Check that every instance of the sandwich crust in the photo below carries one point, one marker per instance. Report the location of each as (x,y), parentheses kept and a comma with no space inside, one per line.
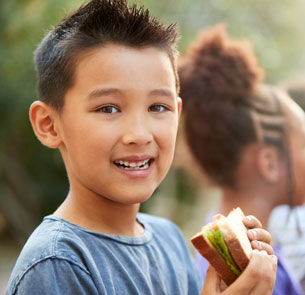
(235,236)
(204,247)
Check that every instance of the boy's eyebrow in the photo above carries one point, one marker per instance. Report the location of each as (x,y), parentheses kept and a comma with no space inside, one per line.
(106,91)
(163,92)
(102,92)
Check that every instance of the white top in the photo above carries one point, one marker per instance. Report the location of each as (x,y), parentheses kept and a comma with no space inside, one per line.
(283,227)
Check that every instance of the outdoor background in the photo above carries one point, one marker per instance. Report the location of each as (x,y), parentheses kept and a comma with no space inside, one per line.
(32,178)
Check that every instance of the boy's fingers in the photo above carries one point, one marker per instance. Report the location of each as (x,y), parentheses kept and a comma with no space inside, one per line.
(258,278)
(264,272)
(251,221)
(212,283)
(260,240)
(259,234)
(262,246)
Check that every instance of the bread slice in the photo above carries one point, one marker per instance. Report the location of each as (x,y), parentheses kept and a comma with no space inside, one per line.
(206,249)
(235,236)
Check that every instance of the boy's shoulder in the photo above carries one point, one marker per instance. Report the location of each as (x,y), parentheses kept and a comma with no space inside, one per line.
(56,238)
(52,239)
(59,251)
(48,240)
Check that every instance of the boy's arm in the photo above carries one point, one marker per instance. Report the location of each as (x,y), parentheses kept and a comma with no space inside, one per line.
(257,279)
(54,277)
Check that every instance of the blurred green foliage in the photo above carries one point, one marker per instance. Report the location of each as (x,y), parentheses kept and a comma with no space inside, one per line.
(33,181)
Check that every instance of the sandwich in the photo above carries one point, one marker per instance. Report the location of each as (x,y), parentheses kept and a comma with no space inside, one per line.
(225,244)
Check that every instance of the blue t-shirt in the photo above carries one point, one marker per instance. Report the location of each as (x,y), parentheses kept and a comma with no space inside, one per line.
(63,258)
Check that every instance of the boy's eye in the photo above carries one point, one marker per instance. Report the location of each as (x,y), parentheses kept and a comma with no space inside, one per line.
(158,108)
(108,109)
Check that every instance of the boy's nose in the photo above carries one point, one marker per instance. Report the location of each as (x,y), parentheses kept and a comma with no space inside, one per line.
(137,131)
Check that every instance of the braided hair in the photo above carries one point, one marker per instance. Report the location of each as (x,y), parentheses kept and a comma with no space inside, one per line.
(226,105)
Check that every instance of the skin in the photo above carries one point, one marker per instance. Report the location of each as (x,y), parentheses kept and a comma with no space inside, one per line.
(257,279)
(123,106)
(297,149)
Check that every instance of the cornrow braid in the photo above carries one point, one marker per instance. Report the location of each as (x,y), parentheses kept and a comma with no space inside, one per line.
(271,128)
(268,118)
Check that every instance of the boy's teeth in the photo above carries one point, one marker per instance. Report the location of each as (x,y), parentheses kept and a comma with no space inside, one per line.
(132,165)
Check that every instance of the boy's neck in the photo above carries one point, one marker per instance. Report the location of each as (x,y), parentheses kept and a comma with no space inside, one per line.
(101,215)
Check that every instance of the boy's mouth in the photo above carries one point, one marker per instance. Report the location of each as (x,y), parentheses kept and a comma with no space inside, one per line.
(133,165)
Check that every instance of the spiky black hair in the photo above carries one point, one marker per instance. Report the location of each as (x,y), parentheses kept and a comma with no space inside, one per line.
(95,24)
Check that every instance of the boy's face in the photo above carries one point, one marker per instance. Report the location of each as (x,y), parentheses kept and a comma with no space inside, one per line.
(119,122)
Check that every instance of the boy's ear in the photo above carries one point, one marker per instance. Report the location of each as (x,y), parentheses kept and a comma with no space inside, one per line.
(179,106)
(269,163)
(43,119)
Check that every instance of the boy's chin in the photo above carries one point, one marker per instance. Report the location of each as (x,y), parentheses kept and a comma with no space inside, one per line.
(133,195)
(134,200)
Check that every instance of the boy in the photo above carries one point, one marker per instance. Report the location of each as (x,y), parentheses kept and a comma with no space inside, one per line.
(108,101)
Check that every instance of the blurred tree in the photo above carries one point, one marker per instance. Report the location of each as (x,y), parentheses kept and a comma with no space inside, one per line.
(275,28)
(32,179)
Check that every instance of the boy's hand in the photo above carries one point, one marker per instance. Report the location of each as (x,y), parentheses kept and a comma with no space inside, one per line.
(260,238)
(257,279)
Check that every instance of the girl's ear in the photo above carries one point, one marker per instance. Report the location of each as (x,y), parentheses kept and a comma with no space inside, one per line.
(179,106)
(44,120)
(269,164)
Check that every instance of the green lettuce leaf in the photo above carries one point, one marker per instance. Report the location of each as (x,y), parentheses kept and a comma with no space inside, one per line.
(216,239)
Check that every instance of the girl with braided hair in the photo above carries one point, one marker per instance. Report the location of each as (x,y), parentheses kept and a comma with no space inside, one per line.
(287,220)
(248,137)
